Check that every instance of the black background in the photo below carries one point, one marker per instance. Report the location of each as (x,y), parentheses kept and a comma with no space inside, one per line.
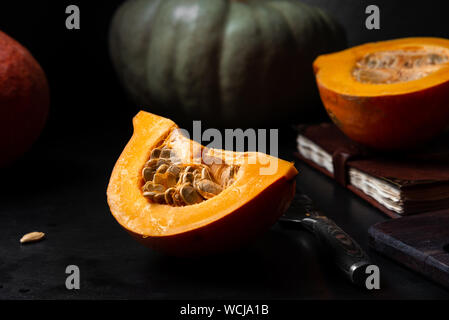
(59,186)
(84,90)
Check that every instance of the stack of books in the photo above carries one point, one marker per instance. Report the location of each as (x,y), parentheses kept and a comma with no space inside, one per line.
(400,183)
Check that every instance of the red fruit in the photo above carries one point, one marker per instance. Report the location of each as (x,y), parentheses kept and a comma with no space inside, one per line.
(24,99)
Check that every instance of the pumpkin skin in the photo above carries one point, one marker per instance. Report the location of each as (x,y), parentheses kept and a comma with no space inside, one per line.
(228,62)
(390,116)
(24,99)
(239,213)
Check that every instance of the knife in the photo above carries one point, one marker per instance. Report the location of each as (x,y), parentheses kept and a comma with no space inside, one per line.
(345,252)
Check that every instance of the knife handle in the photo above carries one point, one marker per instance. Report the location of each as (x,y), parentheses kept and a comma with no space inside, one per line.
(347,254)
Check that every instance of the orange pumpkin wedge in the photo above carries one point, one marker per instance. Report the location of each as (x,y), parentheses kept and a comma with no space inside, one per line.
(387,95)
(248,203)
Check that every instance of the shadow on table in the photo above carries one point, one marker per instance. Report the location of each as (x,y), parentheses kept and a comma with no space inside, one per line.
(277,265)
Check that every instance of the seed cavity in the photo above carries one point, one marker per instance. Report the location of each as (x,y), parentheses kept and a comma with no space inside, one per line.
(386,67)
(168,181)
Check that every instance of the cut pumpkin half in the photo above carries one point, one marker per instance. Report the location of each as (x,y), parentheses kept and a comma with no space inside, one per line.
(387,95)
(174,195)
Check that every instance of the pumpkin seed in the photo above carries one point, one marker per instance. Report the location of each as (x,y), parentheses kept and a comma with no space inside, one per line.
(149,194)
(165,153)
(159,178)
(32,237)
(197,177)
(177,199)
(205,174)
(155,187)
(187,177)
(209,186)
(151,163)
(146,185)
(148,174)
(162,168)
(169,195)
(175,170)
(159,198)
(189,194)
(160,162)
(170,179)
(155,153)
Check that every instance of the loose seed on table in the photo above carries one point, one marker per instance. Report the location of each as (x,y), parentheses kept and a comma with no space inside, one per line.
(32,237)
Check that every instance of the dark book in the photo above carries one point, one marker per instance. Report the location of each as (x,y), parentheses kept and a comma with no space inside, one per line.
(398,183)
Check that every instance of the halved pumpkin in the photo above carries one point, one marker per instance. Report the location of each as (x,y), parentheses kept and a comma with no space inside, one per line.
(250,197)
(387,95)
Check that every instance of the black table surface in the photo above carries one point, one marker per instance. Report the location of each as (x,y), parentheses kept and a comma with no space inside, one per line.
(60,188)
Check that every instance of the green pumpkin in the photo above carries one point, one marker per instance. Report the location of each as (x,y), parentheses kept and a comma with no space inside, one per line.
(231,63)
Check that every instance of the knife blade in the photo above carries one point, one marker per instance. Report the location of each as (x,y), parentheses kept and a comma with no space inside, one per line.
(345,252)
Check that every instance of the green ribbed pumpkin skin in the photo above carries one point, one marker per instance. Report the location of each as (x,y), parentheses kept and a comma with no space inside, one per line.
(230,63)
